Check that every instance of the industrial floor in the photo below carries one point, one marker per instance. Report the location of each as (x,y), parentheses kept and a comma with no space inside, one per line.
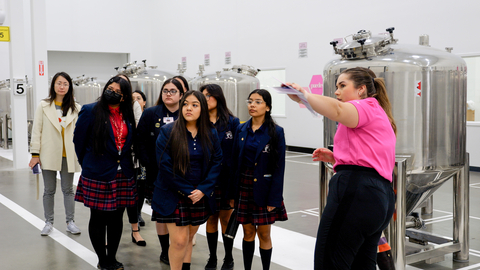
(22,247)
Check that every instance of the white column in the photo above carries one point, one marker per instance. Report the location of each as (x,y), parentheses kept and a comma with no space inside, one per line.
(15,18)
(39,50)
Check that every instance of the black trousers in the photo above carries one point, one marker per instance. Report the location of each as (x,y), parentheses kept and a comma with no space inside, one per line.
(360,204)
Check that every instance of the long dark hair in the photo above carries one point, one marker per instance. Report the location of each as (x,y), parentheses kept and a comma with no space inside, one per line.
(271,125)
(176,83)
(222,110)
(375,88)
(102,113)
(178,137)
(178,77)
(68,102)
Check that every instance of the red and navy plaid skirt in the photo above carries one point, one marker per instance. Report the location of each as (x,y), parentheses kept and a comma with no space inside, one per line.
(222,204)
(249,212)
(107,196)
(186,213)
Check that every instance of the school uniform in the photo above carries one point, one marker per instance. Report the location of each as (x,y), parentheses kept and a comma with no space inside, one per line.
(226,135)
(147,132)
(258,185)
(107,181)
(170,199)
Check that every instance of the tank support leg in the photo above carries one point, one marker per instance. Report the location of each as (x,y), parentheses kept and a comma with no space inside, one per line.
(461,211)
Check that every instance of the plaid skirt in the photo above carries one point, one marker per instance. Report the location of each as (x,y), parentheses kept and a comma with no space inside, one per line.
(107,196)
(222,204)
(249,212)
(186,213)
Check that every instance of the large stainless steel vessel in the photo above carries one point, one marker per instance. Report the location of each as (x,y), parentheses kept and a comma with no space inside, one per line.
(147,79)
(87,89)
(237,82)
(427,89)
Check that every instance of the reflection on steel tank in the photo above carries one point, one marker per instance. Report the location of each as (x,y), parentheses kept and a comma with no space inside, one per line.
(87,89)
(427,89)
(237,83)
(147,79)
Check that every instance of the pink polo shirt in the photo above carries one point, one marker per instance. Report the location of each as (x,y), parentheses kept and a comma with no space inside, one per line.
(371,144)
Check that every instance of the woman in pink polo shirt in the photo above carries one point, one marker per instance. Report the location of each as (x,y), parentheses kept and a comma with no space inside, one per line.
(360,200)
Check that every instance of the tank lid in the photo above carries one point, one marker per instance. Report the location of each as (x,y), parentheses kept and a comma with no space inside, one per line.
(246,70)
(364,45)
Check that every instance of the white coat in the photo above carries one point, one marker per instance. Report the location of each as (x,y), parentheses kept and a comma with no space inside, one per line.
(47,137)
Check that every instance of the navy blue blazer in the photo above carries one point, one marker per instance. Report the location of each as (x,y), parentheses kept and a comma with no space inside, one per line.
(227,139)
(267,184)
(101,167)
(169,186)
(147,132)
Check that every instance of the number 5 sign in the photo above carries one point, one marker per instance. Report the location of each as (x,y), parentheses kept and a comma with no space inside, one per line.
(19,86)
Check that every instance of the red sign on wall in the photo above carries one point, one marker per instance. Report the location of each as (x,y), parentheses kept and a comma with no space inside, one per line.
(41,68)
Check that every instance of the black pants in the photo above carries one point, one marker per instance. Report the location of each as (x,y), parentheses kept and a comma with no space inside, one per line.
(360,204)
(134,211)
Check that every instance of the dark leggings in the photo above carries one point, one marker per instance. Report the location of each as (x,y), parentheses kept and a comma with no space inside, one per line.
(111,224)
(360,204)
(134,211)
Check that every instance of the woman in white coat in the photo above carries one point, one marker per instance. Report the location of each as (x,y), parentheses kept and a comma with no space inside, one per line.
(52,148)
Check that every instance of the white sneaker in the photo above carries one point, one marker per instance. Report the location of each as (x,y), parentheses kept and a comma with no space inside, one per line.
(72,228)
(47,229)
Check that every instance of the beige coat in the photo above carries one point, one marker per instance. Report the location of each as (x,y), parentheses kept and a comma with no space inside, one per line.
(47,138)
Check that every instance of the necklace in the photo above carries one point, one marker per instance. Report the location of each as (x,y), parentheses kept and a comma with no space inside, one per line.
(118,130)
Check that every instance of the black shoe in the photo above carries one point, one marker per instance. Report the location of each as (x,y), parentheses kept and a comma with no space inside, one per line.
(227,265)
(141,222)
(141,243)
(164,259)
(117,265)
(99,267)
(211,264)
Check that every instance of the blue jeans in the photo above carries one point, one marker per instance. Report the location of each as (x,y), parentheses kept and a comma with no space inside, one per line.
(50,183)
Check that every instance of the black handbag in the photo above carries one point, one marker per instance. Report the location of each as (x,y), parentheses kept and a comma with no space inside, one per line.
(232,226)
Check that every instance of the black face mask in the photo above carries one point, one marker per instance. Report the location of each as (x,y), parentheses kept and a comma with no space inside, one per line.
(112,97)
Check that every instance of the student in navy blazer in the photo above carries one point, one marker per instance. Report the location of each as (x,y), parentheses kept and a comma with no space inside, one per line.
(226,125)
(103,139)
(165,111)
(189,157)
(259,159)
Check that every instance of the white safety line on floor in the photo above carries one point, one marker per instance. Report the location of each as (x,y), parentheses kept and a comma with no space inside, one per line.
(72,245)
(304,155)
(308,163)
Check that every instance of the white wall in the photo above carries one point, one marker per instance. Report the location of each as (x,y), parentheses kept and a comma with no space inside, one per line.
(264,34)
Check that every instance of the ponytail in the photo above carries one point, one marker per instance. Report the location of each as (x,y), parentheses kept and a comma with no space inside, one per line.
(375,88)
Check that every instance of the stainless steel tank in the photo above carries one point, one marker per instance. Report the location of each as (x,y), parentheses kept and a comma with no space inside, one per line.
(5,112)
(427,89)
(87,89)
(147,79)
(237,83)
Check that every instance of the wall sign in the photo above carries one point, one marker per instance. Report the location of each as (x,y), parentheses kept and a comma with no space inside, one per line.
(5,33)
(228,58)
(184,62)
(207,60)
(41,68)
(302,50)
(19,86)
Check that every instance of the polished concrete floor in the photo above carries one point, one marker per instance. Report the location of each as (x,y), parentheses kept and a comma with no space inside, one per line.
(22,247)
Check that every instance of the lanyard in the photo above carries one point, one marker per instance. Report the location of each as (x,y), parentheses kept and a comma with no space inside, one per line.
(119,131)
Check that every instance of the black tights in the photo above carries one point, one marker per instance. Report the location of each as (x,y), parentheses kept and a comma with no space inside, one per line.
(111,224)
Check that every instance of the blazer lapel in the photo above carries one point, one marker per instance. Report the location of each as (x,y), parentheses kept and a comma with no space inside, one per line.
(51,114)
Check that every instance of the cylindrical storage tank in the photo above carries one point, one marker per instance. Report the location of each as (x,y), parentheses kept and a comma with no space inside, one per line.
(87,89)
(5,112)
(237,83)
(427,90)
(150,82)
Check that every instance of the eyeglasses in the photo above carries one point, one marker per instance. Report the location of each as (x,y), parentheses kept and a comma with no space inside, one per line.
(171,92)
(208,96)
(257,102)
(118,92)
(59,84)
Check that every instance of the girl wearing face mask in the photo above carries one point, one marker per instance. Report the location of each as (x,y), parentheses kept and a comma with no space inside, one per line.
(52,148)
(103,140)
(259,160)
(165,111)
(189,156)
(226,125)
